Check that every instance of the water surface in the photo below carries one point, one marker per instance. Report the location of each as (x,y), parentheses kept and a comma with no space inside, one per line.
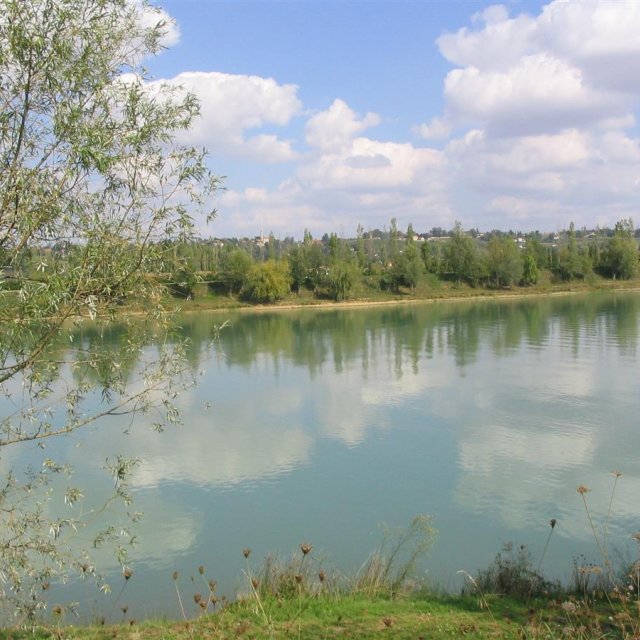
(321,425)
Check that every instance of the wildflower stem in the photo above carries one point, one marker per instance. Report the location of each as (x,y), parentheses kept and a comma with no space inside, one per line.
(184,615)
(256,595)
(601,548)
(483,601)
(544,550)
(606,523)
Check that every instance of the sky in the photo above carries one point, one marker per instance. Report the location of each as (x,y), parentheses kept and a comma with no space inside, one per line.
(327,115)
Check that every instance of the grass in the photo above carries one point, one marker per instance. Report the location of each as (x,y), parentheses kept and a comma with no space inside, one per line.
(360,616)
(433,289)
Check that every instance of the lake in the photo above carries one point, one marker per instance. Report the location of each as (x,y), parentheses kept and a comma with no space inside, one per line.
(321,426)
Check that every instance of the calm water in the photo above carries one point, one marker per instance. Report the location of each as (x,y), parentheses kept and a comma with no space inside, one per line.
(321,426)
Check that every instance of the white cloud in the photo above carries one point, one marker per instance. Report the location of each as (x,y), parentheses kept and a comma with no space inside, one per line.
(435,129)
(575,64)
(270,148)
(241,455)
(232,104)
(500,41)
(369,164)
(344,178)
(542,110)
(600,37)
(542,94)
(523,157)
(334,128)
(347,181)
(538,122)
(545,180)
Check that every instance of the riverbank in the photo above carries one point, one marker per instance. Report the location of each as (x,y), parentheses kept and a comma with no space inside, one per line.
(204,300)
(328,617)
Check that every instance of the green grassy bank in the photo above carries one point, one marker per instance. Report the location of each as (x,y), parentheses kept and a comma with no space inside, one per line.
(413,617)
(366,293)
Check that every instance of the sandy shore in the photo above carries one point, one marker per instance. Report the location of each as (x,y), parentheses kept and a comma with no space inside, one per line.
(352,304)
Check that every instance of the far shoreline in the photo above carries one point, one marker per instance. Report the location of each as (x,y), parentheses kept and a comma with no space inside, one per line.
(324,305)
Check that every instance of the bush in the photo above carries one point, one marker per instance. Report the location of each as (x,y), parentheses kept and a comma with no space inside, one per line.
(267,282)
(512,574)
(341,279)
(183,283)
(234,269)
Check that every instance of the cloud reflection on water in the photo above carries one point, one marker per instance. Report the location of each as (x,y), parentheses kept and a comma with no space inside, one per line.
(524,391)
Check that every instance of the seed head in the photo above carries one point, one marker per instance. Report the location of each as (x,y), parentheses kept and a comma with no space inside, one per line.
(298,578)
(212,585)
(305,547)
(201,570)
(246,552)
(197,598)
(552,523)
(255,582)
(174,575)
(616,473)
(124,609)
(57,610)
(582,489)
(322,576)
(127,573)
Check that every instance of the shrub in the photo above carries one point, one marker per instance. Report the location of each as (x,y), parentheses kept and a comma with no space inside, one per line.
(512,574)
(267,282)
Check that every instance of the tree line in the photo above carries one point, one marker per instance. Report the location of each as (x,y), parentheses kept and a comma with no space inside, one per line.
(268,270)
(334,267)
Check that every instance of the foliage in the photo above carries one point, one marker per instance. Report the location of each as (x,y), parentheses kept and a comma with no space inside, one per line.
(333,617)
(572,262)
(298,268)
(388,570)
(621,253)
(92,183)
(307,263)
(461,254)
(537,250)
(503,261)
(334,247)
(433,257)
(530,271)
(267,282)
(234,268)
(393,239)
(341,279)
(533,260)
(314,261)
(360,249)
(407,268)
(512,574)
(183,282)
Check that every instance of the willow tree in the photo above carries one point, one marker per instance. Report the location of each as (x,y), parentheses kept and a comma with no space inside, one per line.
(92,181)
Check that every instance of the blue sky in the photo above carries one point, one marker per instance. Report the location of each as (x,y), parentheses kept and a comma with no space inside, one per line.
(326,115)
